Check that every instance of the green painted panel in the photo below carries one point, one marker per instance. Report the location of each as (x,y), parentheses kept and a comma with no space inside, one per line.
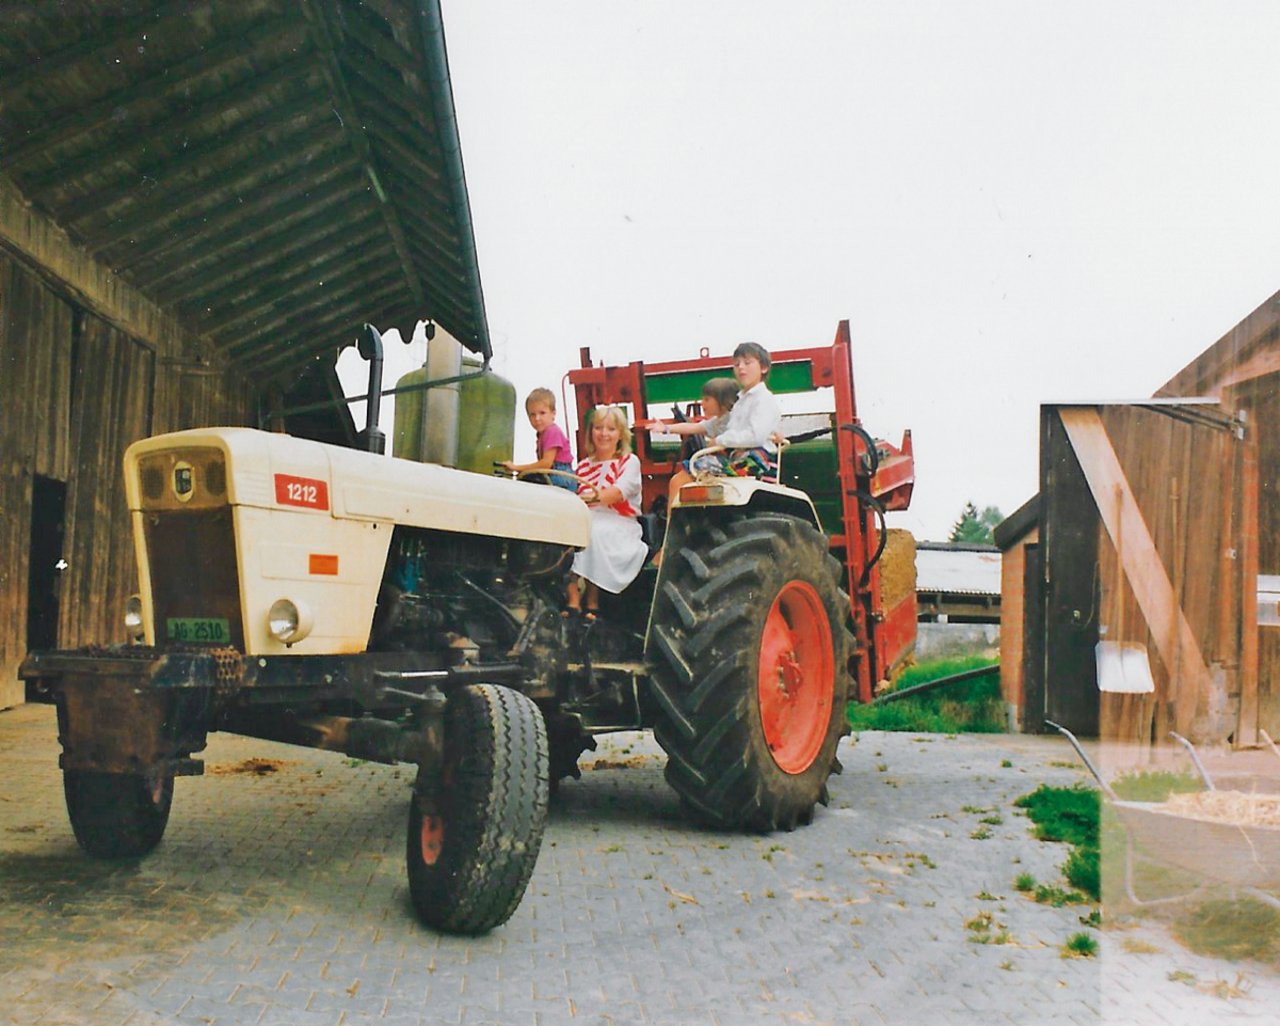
(811,467)
(686,386)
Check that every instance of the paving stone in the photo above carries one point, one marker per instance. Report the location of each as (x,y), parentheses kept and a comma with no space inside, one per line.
(271,896)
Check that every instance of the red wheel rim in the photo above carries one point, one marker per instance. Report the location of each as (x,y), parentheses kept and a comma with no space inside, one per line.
(432,839)
(796,677)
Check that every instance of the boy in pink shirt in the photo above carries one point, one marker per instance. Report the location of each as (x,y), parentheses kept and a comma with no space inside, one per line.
(554,452)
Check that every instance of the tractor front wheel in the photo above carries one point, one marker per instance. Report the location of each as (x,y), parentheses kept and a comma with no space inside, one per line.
(474,836)
(750,654)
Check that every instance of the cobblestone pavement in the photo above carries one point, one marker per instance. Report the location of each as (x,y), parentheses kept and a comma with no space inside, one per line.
(278,897)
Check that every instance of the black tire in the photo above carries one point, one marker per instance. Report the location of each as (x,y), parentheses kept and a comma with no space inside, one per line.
(117,815)
(469,867)
(751,591)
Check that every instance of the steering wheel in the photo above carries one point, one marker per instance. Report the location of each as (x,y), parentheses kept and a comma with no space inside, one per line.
(782,443)
(707,451)
(521,474)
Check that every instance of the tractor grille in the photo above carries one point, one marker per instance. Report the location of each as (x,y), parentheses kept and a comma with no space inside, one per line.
(195,584)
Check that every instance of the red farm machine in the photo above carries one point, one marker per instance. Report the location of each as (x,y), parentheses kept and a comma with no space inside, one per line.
(850,478)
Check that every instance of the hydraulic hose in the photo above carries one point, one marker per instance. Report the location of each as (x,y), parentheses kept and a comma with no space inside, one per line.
(867,499)
(873,454)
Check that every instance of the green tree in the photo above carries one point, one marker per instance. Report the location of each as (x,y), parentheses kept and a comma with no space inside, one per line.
(975,527)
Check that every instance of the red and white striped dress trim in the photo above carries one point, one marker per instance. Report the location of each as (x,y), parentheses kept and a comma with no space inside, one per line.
(604,475)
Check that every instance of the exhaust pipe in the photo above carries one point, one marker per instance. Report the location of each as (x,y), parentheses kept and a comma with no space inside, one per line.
(370,348)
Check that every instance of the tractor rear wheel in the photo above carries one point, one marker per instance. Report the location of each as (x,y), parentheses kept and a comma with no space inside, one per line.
(472,845)
(117,815)
(750,652)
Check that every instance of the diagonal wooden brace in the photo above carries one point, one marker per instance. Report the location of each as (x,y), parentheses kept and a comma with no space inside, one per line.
(1189,677)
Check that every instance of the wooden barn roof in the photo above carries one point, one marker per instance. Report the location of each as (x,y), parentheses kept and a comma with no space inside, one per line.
(1249,350)
(274,172)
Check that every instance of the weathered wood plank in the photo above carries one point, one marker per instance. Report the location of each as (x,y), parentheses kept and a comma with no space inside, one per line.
(1143,567)
(35,346)
(1249,721)
(281,162)
(119,105)
(296,70)
(281,199)
(296,239)
(284,117)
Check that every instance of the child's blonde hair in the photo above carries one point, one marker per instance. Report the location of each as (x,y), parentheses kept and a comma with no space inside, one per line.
(541,395)
(619,417)
(723,390)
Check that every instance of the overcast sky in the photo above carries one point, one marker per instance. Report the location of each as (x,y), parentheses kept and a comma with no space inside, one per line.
(1012,202)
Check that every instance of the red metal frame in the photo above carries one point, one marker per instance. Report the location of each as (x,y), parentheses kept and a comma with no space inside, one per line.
(883,636)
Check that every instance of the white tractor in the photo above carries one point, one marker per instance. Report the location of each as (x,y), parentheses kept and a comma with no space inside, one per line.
(400,611)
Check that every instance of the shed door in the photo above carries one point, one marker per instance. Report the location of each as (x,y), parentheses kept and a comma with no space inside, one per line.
(1148,619)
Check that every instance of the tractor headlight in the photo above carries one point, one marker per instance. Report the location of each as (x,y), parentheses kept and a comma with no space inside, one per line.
(702,493)
(289,621)
(133,617)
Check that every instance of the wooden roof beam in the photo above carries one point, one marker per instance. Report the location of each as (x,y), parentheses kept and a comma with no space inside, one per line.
(370,78)
(240,346)
(284,160)
(143,138)
(283,199)
(279,291)
(382,50)
(316,12)
(288,117)
(311,261)
(402,139)
(229,270)
(122,32)
(346,322)
(391,12)
(429,251)
(335,296)
(116,106)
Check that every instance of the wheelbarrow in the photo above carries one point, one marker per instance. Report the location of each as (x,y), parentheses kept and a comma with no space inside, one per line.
(1244,857)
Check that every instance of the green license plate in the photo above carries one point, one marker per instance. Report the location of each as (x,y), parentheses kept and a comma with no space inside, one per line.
(198,629)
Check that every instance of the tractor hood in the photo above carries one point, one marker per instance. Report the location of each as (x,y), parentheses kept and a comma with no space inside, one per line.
(277,472)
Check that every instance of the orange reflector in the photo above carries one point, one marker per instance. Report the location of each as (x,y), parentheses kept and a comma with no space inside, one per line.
(324,564)
(702,493)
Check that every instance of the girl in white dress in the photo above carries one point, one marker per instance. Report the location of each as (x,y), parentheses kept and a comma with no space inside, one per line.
(616,552)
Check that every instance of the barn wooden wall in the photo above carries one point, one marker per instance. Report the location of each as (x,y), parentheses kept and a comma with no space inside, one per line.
(1013,602)
(1260,399)
(111,398)
(35,439)
(1243,368)
(194,397)
(1188,483)
(74,392)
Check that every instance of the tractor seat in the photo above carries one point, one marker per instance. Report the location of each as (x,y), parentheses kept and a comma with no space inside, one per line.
(653,528)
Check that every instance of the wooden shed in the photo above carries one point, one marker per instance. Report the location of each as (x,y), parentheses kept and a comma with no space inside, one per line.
(1242,371)
(1017,537)
(200,205)
(1139,589)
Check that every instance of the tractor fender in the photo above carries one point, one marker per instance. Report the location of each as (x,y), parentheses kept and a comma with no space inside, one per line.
(693,508)
(737,492)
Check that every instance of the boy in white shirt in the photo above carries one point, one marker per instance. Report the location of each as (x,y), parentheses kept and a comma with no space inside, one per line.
(755,418)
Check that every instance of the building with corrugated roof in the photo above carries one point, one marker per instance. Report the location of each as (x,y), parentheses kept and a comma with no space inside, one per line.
(957,583)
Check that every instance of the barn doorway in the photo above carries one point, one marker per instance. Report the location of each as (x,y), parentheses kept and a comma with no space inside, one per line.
(45,563)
